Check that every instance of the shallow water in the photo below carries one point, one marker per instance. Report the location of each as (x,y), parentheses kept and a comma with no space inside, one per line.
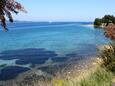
(36,42)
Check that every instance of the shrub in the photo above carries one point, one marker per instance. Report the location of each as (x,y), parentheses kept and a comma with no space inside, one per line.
(108,57)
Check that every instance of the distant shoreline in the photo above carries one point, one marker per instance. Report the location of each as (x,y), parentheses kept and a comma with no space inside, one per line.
(88,25)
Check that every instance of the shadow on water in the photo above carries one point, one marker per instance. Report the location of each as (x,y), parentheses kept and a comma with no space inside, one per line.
(26,56)
(11,72)
(34,56)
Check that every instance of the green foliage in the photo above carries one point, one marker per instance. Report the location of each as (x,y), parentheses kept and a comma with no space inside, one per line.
(99,78)
(97,22)
(108,56)
(106,19)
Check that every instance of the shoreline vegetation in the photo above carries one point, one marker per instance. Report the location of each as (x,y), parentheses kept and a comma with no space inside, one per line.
(108,24)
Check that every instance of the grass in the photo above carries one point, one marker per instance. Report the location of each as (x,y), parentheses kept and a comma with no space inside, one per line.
(101,77)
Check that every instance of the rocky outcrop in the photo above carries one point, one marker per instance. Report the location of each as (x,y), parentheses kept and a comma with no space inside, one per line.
(110,31)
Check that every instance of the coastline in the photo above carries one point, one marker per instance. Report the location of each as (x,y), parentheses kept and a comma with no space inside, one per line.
(77,68)
(82,68)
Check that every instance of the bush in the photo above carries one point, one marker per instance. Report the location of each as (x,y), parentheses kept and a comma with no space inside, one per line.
(108,57)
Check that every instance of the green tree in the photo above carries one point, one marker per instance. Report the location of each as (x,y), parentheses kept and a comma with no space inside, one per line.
(108,19)
(97,22)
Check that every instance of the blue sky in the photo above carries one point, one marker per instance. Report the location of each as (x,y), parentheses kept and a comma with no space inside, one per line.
(65,10)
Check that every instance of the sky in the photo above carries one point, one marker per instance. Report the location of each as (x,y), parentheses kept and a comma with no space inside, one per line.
(65,10)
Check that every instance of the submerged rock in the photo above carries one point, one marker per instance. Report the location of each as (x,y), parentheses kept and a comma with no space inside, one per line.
(11,72)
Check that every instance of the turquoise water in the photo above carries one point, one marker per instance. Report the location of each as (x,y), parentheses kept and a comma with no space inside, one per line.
(61,38)
(28,41)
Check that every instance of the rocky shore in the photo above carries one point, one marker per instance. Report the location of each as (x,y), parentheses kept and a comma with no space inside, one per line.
(110,31)
(37,76)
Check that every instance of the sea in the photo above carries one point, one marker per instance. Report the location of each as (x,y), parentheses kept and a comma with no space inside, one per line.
(28,44)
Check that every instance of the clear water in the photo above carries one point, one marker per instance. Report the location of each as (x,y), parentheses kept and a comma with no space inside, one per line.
(61,38)
(57,38)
